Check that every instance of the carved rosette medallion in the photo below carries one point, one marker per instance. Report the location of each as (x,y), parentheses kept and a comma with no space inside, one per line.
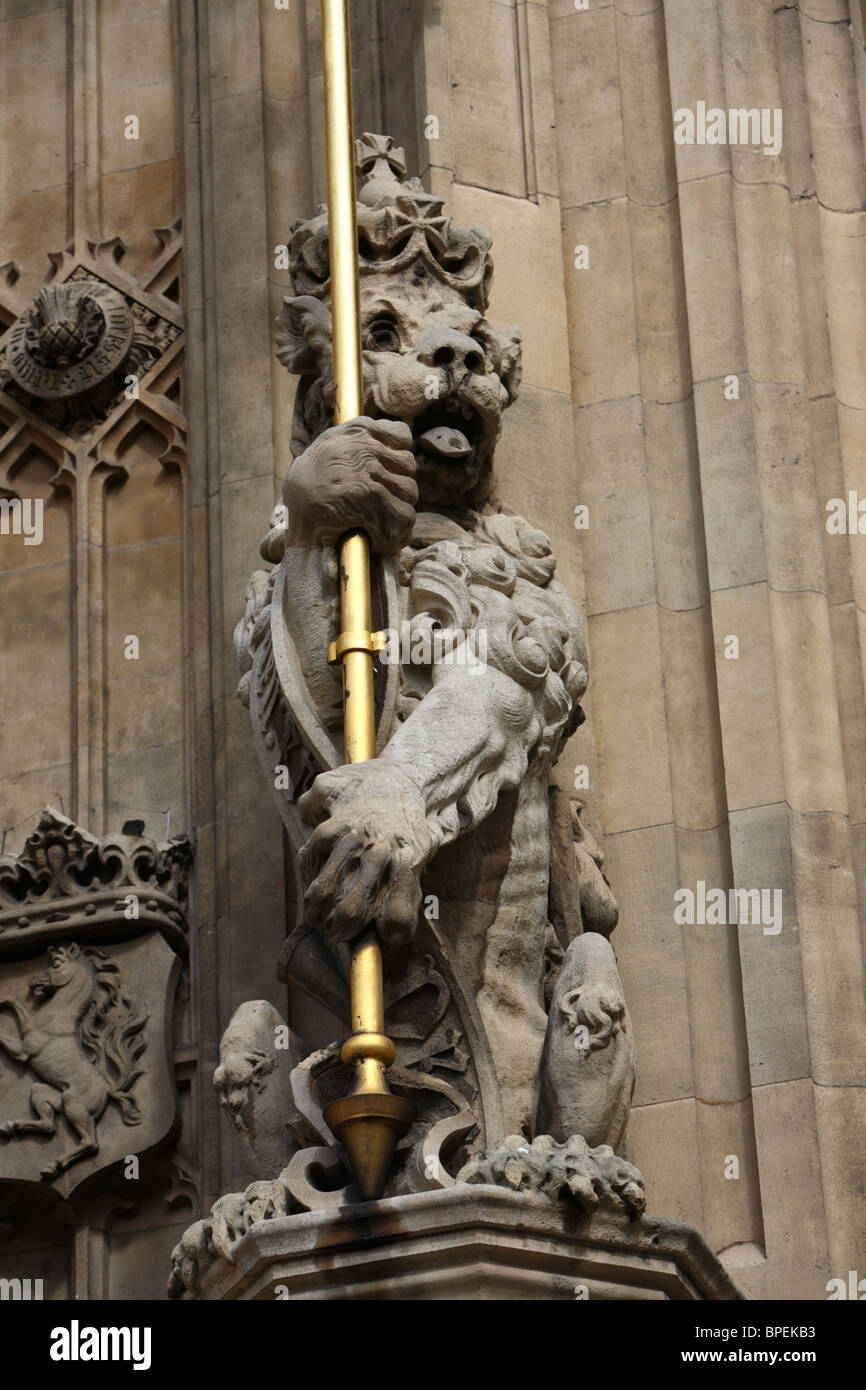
(70,353)
(71,339)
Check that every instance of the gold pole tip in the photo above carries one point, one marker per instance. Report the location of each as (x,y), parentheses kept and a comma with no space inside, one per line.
(370,1127)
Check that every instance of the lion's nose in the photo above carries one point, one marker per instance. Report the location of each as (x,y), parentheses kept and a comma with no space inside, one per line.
(445,347)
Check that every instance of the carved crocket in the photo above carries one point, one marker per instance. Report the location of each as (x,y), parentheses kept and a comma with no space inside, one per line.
(451,840)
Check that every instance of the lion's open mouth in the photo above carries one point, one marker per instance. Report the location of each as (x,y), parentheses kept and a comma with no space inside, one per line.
(448,432)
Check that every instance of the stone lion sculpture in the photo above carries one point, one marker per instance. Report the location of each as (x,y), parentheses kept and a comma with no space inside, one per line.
(502,991)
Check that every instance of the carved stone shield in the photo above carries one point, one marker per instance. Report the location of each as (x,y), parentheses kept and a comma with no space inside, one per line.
(92,940)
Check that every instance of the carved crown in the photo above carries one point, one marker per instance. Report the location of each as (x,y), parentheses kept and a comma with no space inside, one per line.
(398,223)
(65,881)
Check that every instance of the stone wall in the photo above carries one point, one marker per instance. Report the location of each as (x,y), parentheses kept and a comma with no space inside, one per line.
(698,384)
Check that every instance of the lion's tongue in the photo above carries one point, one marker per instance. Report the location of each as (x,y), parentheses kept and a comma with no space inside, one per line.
(444,441)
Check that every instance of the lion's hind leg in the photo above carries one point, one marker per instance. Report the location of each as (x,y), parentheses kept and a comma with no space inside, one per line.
(588,1066)
(46,1101)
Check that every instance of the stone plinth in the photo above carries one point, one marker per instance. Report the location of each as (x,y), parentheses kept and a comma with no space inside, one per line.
(468,1243)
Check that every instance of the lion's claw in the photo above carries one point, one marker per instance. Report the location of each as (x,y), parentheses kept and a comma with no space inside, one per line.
(594,1177)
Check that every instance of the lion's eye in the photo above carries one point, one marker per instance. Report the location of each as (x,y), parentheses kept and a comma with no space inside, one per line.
(382,336)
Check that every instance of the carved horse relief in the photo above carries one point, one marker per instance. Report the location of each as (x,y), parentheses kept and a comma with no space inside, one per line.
(92,938)
(80,1037)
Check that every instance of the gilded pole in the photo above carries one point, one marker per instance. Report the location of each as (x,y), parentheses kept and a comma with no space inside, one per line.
(369,1122)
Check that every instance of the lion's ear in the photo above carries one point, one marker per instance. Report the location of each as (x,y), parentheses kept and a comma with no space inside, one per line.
(511,361)
(72,949)
(304,335)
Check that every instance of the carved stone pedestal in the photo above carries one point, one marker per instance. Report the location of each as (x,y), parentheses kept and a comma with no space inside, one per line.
(468,1243)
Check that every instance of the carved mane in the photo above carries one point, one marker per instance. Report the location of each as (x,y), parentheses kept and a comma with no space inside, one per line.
(111,1025)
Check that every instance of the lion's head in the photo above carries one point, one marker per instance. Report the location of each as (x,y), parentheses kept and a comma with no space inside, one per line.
(431,359)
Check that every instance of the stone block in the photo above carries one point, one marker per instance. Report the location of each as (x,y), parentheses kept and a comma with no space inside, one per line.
(826,907)
(840,1117)
(33,151)
(797,1264)
(588,108)
(767,283)
(843,238)
(235,41)
(633,758)
(612,483)
(834,113)
(663,1142)
(694,54)
(711,268)
(732,1194)
(697,770)
(641,866)
(244,335)
(674,485)
(772,966)
(662,323)
(242,252)
(604,355)
(808,706)
(485,97)
(125,193)
(806,231)
(793,515)
(713,976)
(646,112)
(30,223)
(730,496)
(748,698)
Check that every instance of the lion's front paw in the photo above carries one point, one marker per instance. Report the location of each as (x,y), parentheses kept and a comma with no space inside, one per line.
(599,1177)
(360,473)
(593,1177)
(363,861)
